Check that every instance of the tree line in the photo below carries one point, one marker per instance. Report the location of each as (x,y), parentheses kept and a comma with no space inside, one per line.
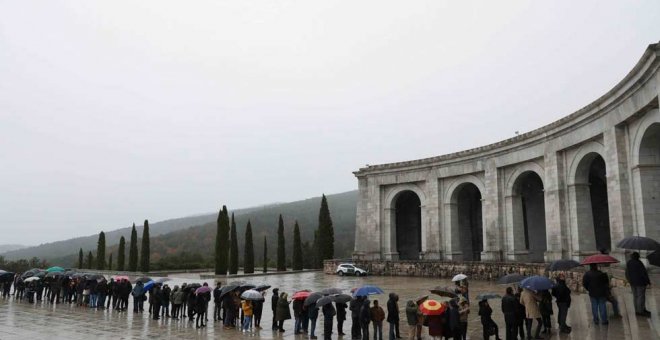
(226,253)
(226,245)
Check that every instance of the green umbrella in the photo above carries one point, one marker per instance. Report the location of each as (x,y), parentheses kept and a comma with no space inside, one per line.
(55,269)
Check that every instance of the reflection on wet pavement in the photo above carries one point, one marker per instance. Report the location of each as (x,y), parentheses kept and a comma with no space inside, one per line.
(19,320)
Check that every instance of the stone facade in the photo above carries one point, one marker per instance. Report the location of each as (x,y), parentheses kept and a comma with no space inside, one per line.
(565,190)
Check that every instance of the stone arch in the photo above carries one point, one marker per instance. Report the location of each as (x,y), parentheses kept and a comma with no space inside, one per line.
(405,229)
(588,202)
(646,175)
(464,218)
(525,203)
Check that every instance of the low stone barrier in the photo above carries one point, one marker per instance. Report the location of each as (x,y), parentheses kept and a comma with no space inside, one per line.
(488,271)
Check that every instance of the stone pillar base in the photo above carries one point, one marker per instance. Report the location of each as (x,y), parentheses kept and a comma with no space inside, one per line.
(430,255)
(393,256)
(491,255)
(454,256)
(582,254)
(366,256)
(553,255)
(517,256)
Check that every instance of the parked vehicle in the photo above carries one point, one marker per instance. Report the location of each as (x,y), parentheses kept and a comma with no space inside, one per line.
(350,269)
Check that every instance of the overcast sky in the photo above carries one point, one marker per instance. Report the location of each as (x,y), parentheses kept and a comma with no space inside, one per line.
(113,112)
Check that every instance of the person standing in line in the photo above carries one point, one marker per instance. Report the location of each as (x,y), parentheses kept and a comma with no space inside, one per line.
(328,314)
(463,312)
(273,303)
(217,302)
(354,306)
(530,300)
(247,314)
(283,311)
(258,307)
(638,278)
(562,295)
(156,296)
(102,289)
(509,306)
(313,313)
(109,293)
(377,317)
(365,318)
(176,297)
(393,316)
(297,315)
(597,284)
(341,317)
(166,293)
(488,324)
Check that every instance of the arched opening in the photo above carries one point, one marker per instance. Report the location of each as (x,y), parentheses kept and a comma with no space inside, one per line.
(529,215)
(408,225)
(649,171)
(592,211)
(470,223)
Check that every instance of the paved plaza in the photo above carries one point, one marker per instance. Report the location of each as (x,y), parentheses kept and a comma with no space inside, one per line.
(19,320)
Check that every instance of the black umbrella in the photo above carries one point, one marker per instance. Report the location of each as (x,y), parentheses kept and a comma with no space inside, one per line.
(78,275)
(228,289)
(562,265)
(261,288)
(41,274)
(6,276)
(54,275)
(342,298)
(325,300)
(510,279)
(638,243)
(444,291)
(488,296)
(654,258)
(331,291)
(312,298)
(29,273)
(246,286)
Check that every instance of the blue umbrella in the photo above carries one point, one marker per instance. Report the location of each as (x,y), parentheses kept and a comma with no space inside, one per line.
(537,283)
(148,285)
(368,290)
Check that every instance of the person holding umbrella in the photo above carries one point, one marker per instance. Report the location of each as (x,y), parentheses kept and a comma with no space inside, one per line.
(328,314)
(487,322)
(246,305)
(297,315)
(341,317)
(638,278)
(562,295)
(393,316)
(529,299)
(313,314)
(354,306)
(258,307)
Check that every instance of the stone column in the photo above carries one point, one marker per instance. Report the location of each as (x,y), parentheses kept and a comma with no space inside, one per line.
(515,234)
(582,223)
(452,238)
(556,239)
(492,222)
(432,249)
(618,186)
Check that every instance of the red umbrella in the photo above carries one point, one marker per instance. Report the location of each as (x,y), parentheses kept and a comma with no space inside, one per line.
(302,295)
(599,259)
(432,307)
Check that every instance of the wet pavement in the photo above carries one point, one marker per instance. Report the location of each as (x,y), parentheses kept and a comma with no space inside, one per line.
(19,320)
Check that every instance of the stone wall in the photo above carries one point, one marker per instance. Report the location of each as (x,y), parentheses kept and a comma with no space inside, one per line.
(487,271)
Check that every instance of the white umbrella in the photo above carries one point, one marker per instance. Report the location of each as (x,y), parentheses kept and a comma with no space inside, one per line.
(30,279)
(459,277)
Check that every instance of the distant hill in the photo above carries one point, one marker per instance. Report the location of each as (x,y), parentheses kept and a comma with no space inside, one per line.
(10,247)
(197,233)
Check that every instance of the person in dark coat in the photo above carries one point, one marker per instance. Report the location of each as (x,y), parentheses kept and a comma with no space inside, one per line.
(365,318)
(125,292)
(638,278)
(328,314)
(313,313)
(138,294)
(597,284)
(156,296)
(545,305)
(341,317)
(283,312)
(509,309)
(297,315)
(109,293)
(354,306)
(393,316)
(273,303)
(217,302)
(258,309)
(165,300)
(192,301)
(453,321)
(102,289)
(488,324)
(202,307)
(228,311)
(520,314)
(562,295)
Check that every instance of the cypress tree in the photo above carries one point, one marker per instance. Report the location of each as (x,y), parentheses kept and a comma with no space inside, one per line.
(133,251)
(316,254)
(110,262)
(100,252)
(121,253)
(90,260)
(233,250)
(281,255)
(297,249)
(248,251)
(326,236)
(80,259)
(265,255)
(222,242)
(144,258)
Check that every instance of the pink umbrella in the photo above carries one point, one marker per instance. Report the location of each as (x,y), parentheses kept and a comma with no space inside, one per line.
(599,259)
(202,290)
(120,278)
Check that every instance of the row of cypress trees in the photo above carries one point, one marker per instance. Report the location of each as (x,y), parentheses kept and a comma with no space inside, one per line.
(226,244)
(100,262)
